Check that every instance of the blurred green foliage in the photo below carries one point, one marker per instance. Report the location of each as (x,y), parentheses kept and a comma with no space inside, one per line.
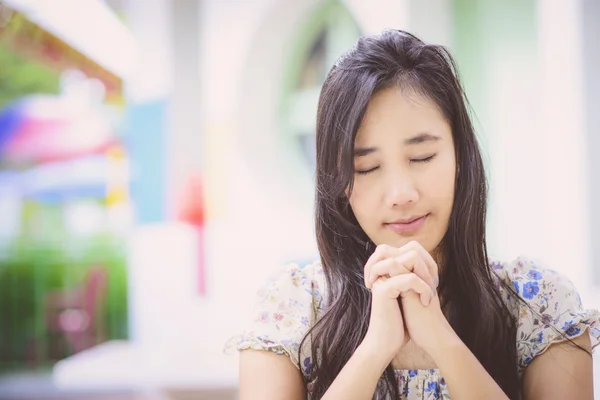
(20,77)
(46,257)
(36,265)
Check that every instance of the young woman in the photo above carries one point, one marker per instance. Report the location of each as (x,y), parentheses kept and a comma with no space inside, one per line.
(404,302)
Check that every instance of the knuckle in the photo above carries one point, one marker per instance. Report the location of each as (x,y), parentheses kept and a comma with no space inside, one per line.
(416,282)
(382,248)
(413,255)
(397,267)
(375,269)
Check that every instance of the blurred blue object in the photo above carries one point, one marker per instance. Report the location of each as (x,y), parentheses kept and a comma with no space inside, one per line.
(11,117)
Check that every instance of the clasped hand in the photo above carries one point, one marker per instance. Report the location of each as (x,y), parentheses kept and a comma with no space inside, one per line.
(411,274)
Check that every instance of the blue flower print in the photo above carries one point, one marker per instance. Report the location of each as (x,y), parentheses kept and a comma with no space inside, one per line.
(307,366)
(540,338)
(570,329)
(406,391)
(516,286)
(527,360)
(530,289)
(535,275)
(433,387)
(265,340)
(412,373)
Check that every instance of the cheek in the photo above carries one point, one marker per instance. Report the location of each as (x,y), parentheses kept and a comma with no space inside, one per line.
(361,201)
(441,184)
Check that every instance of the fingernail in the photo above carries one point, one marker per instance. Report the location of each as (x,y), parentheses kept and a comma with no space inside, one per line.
(436,281)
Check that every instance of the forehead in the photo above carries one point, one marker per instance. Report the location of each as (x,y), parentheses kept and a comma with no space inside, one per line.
(392,113)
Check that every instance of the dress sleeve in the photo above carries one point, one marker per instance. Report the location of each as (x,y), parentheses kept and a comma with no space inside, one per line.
(551,310)
(286,307)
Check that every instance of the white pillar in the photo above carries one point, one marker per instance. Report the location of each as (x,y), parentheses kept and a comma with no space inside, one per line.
(565,179)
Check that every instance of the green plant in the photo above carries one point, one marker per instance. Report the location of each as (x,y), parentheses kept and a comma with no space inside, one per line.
(20,77)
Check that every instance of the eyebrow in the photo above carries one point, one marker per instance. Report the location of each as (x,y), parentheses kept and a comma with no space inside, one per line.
(420,138)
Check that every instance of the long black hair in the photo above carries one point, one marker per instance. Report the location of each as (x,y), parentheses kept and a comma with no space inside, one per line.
(476,310)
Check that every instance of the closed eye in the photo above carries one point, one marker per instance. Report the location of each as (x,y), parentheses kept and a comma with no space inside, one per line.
(423,160)
(413,160)
(368,171)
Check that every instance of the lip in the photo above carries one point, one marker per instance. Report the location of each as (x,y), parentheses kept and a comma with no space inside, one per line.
(407,225)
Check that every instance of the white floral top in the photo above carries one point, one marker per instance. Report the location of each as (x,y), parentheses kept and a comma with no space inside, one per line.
(291,301)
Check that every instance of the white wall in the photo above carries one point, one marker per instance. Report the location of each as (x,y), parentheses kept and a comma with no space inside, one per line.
(537,142)
(565,157)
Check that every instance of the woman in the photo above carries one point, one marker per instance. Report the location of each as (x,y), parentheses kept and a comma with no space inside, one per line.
(404,302)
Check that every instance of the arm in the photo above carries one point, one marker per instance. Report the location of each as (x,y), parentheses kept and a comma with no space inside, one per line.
(358,379)
(263,374)
(268,376)
(563,371)
(465,376)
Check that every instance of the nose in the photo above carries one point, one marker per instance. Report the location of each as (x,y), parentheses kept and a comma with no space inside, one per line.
(401,190)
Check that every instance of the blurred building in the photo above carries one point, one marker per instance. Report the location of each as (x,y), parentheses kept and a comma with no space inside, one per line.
(64,181)
(219,131)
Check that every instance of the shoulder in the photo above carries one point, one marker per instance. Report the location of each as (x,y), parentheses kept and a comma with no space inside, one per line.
(287,305)
(534,282)
(546,305)
(307,277)
(537,286)
(294,285)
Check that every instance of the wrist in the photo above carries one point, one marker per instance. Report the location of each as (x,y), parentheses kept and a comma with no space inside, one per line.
(375,352)
(447,344)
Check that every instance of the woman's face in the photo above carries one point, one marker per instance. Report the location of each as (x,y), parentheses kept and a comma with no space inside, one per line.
(405,169)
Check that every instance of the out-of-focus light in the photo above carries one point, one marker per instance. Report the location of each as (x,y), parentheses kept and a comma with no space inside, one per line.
(85,218)
(89,26)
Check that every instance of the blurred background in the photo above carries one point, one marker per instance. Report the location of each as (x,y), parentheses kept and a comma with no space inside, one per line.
(156,163)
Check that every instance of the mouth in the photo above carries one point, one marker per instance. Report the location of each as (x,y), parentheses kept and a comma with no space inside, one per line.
(407,225)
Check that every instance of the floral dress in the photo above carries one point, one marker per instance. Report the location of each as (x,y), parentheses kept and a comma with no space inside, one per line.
(292,300)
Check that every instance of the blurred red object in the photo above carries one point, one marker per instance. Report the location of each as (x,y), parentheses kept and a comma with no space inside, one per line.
(192,212)
(192,202)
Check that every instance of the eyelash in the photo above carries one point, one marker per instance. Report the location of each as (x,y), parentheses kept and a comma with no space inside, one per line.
(424,160)
(419,160)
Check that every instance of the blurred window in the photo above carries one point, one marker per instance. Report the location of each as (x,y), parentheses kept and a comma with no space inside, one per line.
(329,31)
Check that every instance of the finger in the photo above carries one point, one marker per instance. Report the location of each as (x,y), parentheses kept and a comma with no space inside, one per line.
(382,252)
(401,284)
(414,261)
(411,261)
(427,258)
(391,266)
(387,267)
